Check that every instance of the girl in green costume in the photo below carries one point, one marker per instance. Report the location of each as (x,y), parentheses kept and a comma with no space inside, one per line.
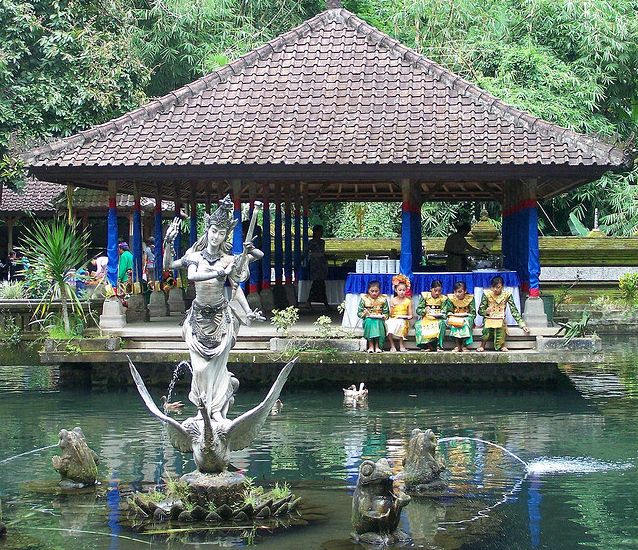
(430,327)
(460,311)
(374,310)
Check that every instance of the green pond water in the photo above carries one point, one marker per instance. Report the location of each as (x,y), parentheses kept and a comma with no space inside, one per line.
(580,439)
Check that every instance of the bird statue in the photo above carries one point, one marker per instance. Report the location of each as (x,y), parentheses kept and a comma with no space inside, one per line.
(276,408)
(353,393)
(211,440)
(175,406)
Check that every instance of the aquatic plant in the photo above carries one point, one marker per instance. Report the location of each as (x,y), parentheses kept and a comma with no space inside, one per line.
(10,333)
(574,329)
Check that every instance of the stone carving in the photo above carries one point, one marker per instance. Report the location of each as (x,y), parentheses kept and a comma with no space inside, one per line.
(421,468)
(376,508)
(78,463)
(211,439)
(210,330)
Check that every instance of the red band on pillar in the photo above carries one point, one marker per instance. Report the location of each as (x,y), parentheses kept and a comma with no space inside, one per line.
(534,292)
(529,203)
(158,208)
(112,202)
(406,206)
(252,288)
(525,287)
(237,205)
(137,204)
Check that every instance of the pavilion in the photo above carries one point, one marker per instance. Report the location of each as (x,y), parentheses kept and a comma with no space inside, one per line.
(332,110)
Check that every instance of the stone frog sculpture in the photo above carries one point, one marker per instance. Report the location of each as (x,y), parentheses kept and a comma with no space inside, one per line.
(78,463)
(421,468)
(376,509)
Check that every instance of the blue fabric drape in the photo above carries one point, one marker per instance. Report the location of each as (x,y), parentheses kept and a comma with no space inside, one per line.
(238,237)
(288,246)
(265,247)
(279,251)
(111,246)
(193,227)
(533,260)
(137,244)
(357,283)
(159,251)
(407,230)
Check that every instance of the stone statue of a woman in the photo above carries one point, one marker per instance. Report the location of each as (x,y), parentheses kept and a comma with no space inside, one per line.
(212,322)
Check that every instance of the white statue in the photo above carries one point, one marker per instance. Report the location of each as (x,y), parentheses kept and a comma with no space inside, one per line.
(212,322)
(210,329)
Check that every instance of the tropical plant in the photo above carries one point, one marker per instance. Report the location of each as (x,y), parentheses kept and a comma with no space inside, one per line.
(10,332)
(628,286)
(55,249)
(574,329)
(284,319)
(12,290)
(324,326)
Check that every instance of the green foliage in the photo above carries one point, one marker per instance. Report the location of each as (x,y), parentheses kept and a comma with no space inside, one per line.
(64,66)
(364,220)
(324,326)
(284,319)
(55,248)
(10,332)
(628,286)
(280,491)
(12,174)
(12,290)
(574,329)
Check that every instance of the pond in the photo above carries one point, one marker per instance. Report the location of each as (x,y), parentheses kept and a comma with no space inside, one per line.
(316,445)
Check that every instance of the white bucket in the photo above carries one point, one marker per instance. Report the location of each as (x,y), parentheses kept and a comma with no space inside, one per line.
(359,268)
(383,266)
(367,266)
(397,266)
(375,266)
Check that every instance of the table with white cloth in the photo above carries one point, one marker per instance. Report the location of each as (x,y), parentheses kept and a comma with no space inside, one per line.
(476,282)
(335,284)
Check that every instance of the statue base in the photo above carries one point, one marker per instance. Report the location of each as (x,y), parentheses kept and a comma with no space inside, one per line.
(433,488)
(112,314)
(176,303)
(157,305)
(224,488)
(137,310)
(382,540)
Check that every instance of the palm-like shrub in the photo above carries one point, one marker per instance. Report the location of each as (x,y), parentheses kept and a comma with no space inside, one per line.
(54,249)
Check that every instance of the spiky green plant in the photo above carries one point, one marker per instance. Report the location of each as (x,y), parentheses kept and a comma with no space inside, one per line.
(54,248)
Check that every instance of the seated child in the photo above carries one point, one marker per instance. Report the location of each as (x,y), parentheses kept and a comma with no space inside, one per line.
(460,311)
(493,307)
(398,324)
(430,328)
(374,310)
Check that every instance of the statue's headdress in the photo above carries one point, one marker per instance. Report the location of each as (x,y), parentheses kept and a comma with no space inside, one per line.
(223,216)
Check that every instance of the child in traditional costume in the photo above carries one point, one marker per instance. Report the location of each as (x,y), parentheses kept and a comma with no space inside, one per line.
(493,307)
(398,324)
(374,310)
(430,328)
(460,311)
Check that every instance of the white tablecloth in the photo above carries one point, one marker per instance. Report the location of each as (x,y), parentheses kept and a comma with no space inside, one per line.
(334,291)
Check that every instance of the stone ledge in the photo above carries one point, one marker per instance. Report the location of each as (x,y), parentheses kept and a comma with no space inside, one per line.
(593,344)
(319,344)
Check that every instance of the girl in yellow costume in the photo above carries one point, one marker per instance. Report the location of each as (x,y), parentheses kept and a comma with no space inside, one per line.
(430,328)
(460,311)
(493,306)
(374,310)
(398,324)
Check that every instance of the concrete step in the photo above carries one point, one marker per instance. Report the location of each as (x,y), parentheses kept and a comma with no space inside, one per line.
(176,345)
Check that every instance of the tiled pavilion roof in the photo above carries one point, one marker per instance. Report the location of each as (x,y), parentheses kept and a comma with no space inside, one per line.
(341,106)
(37,197)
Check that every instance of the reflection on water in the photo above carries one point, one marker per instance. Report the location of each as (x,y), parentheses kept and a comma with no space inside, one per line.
(317,444)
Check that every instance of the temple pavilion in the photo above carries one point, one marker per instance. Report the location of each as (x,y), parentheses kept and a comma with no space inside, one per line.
(333,110)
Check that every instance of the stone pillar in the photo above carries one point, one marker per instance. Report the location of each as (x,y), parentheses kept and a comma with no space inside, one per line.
(266,292)
(10,224)
(112,235)
(520,245)
(304,217)
(113,315)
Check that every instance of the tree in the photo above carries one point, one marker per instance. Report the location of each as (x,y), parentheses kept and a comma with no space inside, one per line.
(65,65)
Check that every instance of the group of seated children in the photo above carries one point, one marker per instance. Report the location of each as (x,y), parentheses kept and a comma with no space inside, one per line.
(436,313)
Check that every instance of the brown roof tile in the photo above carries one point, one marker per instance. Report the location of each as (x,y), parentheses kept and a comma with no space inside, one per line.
(333,90)
(37,196)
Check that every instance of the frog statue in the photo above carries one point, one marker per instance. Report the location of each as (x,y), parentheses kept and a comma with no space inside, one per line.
(421,468)
(376,509)
(78,463)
